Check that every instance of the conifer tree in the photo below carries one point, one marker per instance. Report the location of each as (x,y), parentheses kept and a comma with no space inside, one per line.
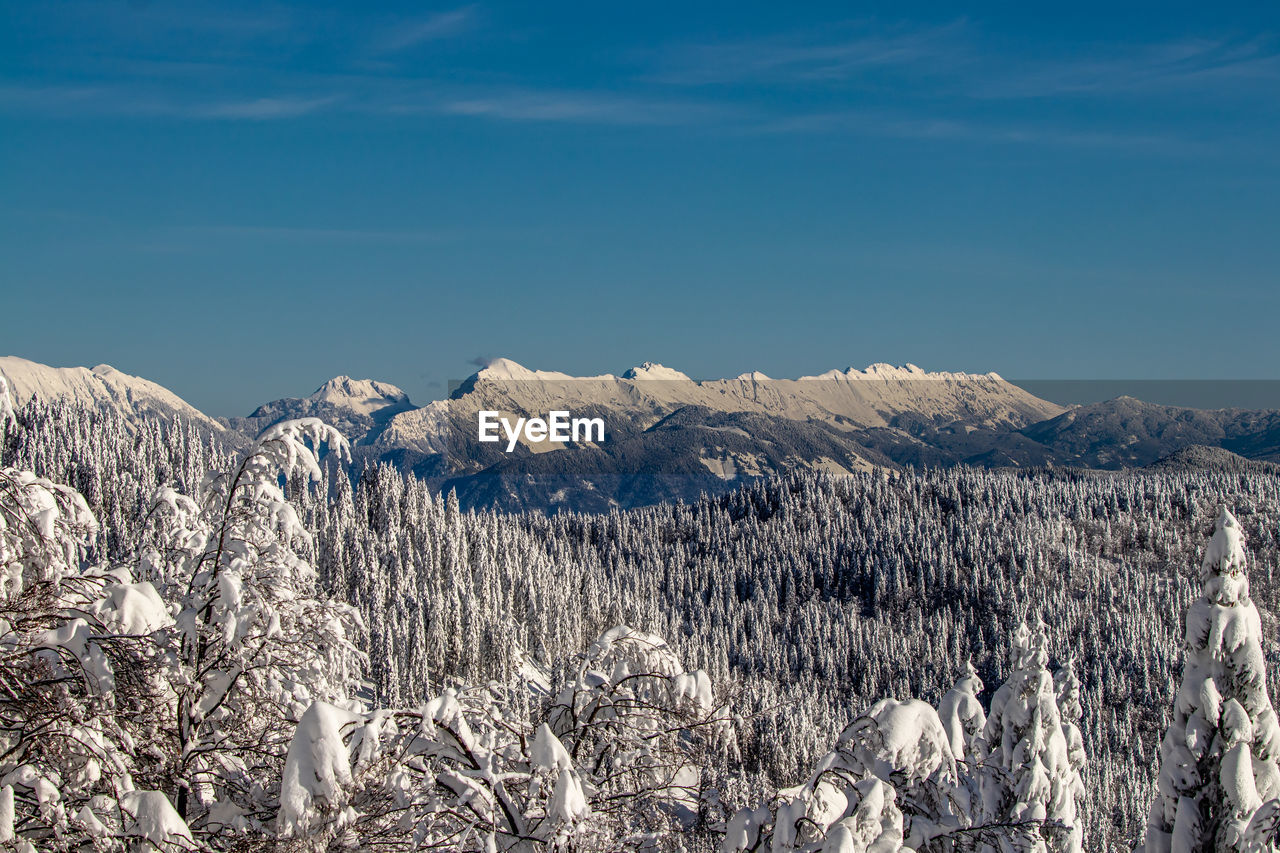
(1218,756)
(1028,783)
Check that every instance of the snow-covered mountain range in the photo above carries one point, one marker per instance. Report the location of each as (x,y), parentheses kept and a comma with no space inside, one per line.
(102,387)
(645,394)
(672,437)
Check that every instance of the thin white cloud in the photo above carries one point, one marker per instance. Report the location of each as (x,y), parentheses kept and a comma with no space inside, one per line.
(264,109)
(811,57)
(925,128)
(583,107)
(71,101)
(313,234)
(1172,67)
(954,60)
(391,98)
(441,25)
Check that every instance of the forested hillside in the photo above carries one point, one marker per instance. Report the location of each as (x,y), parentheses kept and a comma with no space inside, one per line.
(805,600)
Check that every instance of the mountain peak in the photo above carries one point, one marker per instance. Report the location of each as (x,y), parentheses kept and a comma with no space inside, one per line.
(653,370)
(505,369)
(347,391)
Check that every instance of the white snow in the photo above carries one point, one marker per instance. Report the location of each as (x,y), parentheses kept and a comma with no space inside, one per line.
(1221,715)
(6,814)
(961,713)
(693,687)
(506,370)
(155,819)
(6,405)
(547,752)
(316,769)
(568,804)
(133,608)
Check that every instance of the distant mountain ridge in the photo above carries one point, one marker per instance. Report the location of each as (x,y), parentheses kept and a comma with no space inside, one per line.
(843,399)
(671,437)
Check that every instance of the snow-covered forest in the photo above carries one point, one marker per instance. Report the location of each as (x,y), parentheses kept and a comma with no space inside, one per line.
(216,650)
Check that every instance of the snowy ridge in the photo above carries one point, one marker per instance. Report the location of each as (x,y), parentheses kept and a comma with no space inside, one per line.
(888,372)
(506,370)
(849,399)
(103,387)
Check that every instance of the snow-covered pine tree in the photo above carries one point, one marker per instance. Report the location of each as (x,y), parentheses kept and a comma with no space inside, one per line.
(889,785)
(1028,782)
(1218,756)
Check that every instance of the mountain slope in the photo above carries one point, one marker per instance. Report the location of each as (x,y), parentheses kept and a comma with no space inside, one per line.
(103,387)
(1129,433)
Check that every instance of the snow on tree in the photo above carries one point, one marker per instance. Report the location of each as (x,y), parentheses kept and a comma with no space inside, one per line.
(889,785)
(799,594)
(76,665)
(626,712)
(619,754)
(1218,759)
(6,814)
(316,770)
(256,644)
(7,418)
(962,715)
(1066,685)
(1028,781)
(152,817)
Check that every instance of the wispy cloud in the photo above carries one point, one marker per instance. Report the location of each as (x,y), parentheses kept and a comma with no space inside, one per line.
(264,109)
(412,32)
(955,60)
(1204,65)
(374,96)
(925,128)
(70,101)
(810,57)
(946,82)
(586,108)
(392,99)
(320,234)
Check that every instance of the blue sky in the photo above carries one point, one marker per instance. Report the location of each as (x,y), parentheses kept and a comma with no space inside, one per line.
(241,200)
